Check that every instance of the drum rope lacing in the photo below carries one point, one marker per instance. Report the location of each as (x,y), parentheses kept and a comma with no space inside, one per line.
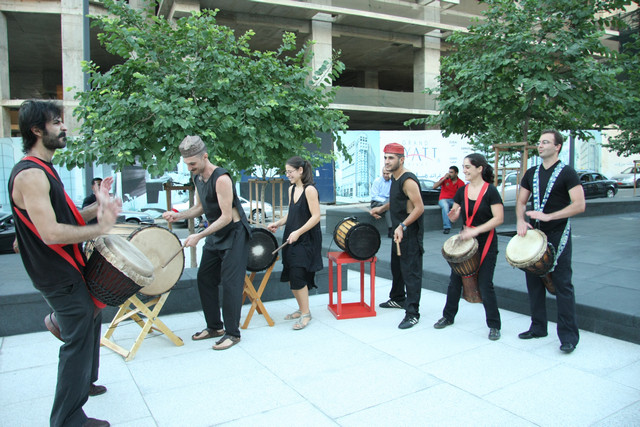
(537,206)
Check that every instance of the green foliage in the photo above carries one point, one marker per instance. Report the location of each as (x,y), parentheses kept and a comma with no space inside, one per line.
(194,77)
(530,65)
(627,142)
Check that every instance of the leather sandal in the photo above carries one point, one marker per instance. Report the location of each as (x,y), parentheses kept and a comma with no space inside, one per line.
(226,342)
(207,333)
(299,325)
(292,316)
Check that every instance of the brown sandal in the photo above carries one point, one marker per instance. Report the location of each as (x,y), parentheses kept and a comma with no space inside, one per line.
(207,333)
(226,342)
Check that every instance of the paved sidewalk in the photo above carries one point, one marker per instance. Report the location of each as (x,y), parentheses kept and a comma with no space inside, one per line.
(357,372)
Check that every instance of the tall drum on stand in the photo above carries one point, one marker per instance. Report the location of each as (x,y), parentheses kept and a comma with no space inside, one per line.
(360,240)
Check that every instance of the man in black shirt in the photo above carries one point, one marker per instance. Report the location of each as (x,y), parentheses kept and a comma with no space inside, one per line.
(405,204)
(557,196)
(91,198)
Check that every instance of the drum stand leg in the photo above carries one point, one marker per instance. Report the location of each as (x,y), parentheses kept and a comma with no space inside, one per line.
(135,309)
(255,297)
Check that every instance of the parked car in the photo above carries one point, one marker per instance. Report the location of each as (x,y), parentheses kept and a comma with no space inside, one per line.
(508,188)
(135,217)
(597,185)
(7,232)
(253,211)
(625,178)
(430,196)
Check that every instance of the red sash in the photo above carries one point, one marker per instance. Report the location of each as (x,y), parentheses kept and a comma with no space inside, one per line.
(469,220)
(58,248)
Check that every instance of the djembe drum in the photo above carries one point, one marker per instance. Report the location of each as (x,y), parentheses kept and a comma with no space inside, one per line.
(116,270)
(464,258)
(533,254)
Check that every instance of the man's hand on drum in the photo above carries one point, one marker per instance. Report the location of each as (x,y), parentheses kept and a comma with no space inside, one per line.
(522,227)
(192,240)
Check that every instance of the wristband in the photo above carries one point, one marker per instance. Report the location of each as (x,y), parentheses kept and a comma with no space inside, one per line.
(404,227)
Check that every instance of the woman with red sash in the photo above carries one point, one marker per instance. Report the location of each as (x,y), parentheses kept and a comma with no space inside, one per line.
(480,206)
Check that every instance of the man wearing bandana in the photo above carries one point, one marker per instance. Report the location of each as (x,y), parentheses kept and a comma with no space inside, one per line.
(406,207)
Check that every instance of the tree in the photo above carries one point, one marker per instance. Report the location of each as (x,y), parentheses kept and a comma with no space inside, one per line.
(627,142)
(529,65)
(191,77)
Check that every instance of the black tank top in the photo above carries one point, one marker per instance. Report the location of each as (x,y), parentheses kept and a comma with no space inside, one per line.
(211,206)
(398,207)
(47,269)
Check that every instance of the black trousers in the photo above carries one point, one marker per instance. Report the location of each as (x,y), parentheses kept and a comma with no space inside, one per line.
(487,292)
(79,356)
(407,274)
(565,297)
(226,268)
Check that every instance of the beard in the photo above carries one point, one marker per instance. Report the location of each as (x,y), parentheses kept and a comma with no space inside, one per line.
(54,142)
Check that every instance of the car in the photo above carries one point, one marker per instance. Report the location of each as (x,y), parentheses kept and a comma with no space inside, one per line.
(135,217)
(626,177)
(430,196)
(7,232)
(200,221)
(508,188)
(253,210)
(597,185)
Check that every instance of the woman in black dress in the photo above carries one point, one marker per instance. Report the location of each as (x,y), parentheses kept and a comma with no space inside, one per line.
(301,257)
(479,222)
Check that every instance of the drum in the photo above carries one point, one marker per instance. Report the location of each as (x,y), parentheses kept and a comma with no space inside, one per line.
(261,246)
(116,270)
(360,240)
(532,253)
(120,229)
(464,258)
(159,244)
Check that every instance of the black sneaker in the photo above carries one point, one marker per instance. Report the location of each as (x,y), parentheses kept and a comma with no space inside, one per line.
(442,323)
(391,304)
(494,334)
(446,231)
(408,322)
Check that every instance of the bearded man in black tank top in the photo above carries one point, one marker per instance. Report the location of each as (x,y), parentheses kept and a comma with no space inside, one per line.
(50,231)
(406,207)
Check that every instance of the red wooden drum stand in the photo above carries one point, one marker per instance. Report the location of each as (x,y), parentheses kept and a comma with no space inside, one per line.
(351,310)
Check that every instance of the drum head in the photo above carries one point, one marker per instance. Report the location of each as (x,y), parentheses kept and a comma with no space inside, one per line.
(523,250)
(363,241)
(125,257)
(454,247)
(159,244)
(261,246)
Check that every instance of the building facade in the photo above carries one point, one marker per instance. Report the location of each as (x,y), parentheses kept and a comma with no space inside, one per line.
(391,48)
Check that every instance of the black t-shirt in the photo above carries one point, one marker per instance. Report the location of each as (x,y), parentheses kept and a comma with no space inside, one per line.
(559,196)
(484,214)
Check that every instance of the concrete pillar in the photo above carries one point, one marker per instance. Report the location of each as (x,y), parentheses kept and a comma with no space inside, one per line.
(371,79)
(426,64)
(321,34)
(5,118)
(426,60)
(71,22)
